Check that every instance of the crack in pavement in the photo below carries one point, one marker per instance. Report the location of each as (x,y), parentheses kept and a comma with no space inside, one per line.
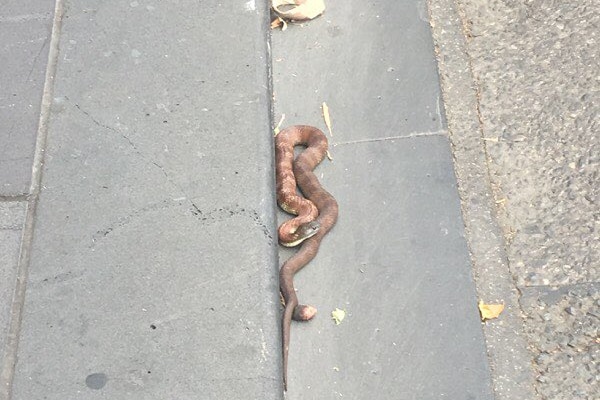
(206,217)
(412,135)
(138,152)
(214,215)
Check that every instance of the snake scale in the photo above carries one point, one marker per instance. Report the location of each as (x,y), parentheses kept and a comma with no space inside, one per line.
(316,215)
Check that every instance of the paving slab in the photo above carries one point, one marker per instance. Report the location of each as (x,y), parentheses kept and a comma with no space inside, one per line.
(397,260)
(12,10)
(398,264)
(25,30)
(373,61)
(153,266)
(12,217)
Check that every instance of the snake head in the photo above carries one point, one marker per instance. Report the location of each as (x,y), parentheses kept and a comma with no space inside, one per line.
(307,230)
(303,232)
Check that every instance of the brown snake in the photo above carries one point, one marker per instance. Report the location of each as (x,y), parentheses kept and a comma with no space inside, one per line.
(305,228)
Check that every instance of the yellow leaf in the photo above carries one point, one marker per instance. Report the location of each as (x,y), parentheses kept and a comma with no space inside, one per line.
(278,127)
(490,311)
(279,22)
(338,315)
(276,22)
(327,118)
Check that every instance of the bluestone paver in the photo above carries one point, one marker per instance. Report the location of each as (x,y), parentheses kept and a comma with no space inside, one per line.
(397,260)
(25,31)
(153,261)
(153,266)
(373,61)
(398,264)
(12,217)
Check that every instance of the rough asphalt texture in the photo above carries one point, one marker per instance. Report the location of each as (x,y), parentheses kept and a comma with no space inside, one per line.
(534,68)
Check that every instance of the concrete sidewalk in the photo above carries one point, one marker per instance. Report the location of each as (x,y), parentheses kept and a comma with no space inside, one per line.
(153,269)
(142,252)
(397,260)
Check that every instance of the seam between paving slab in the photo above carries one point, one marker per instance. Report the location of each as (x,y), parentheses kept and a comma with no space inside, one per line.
(12,339)
(15,198)
(554,287)
(411,135)
(274,210)
(26,17)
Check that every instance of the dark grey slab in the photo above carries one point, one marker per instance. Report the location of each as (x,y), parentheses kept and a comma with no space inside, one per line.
(12,217)
(398,264)
(24,32)
(153,271)
(371,62)
(397,261)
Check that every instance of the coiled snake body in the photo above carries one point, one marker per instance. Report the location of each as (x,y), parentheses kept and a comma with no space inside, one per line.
(305,228)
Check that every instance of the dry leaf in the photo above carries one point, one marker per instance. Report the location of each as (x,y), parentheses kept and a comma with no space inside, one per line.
(279,22)
(276,22)
(327,118)
(281,299)
(302,10)
(277,128)
(490,311)
(338,315)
